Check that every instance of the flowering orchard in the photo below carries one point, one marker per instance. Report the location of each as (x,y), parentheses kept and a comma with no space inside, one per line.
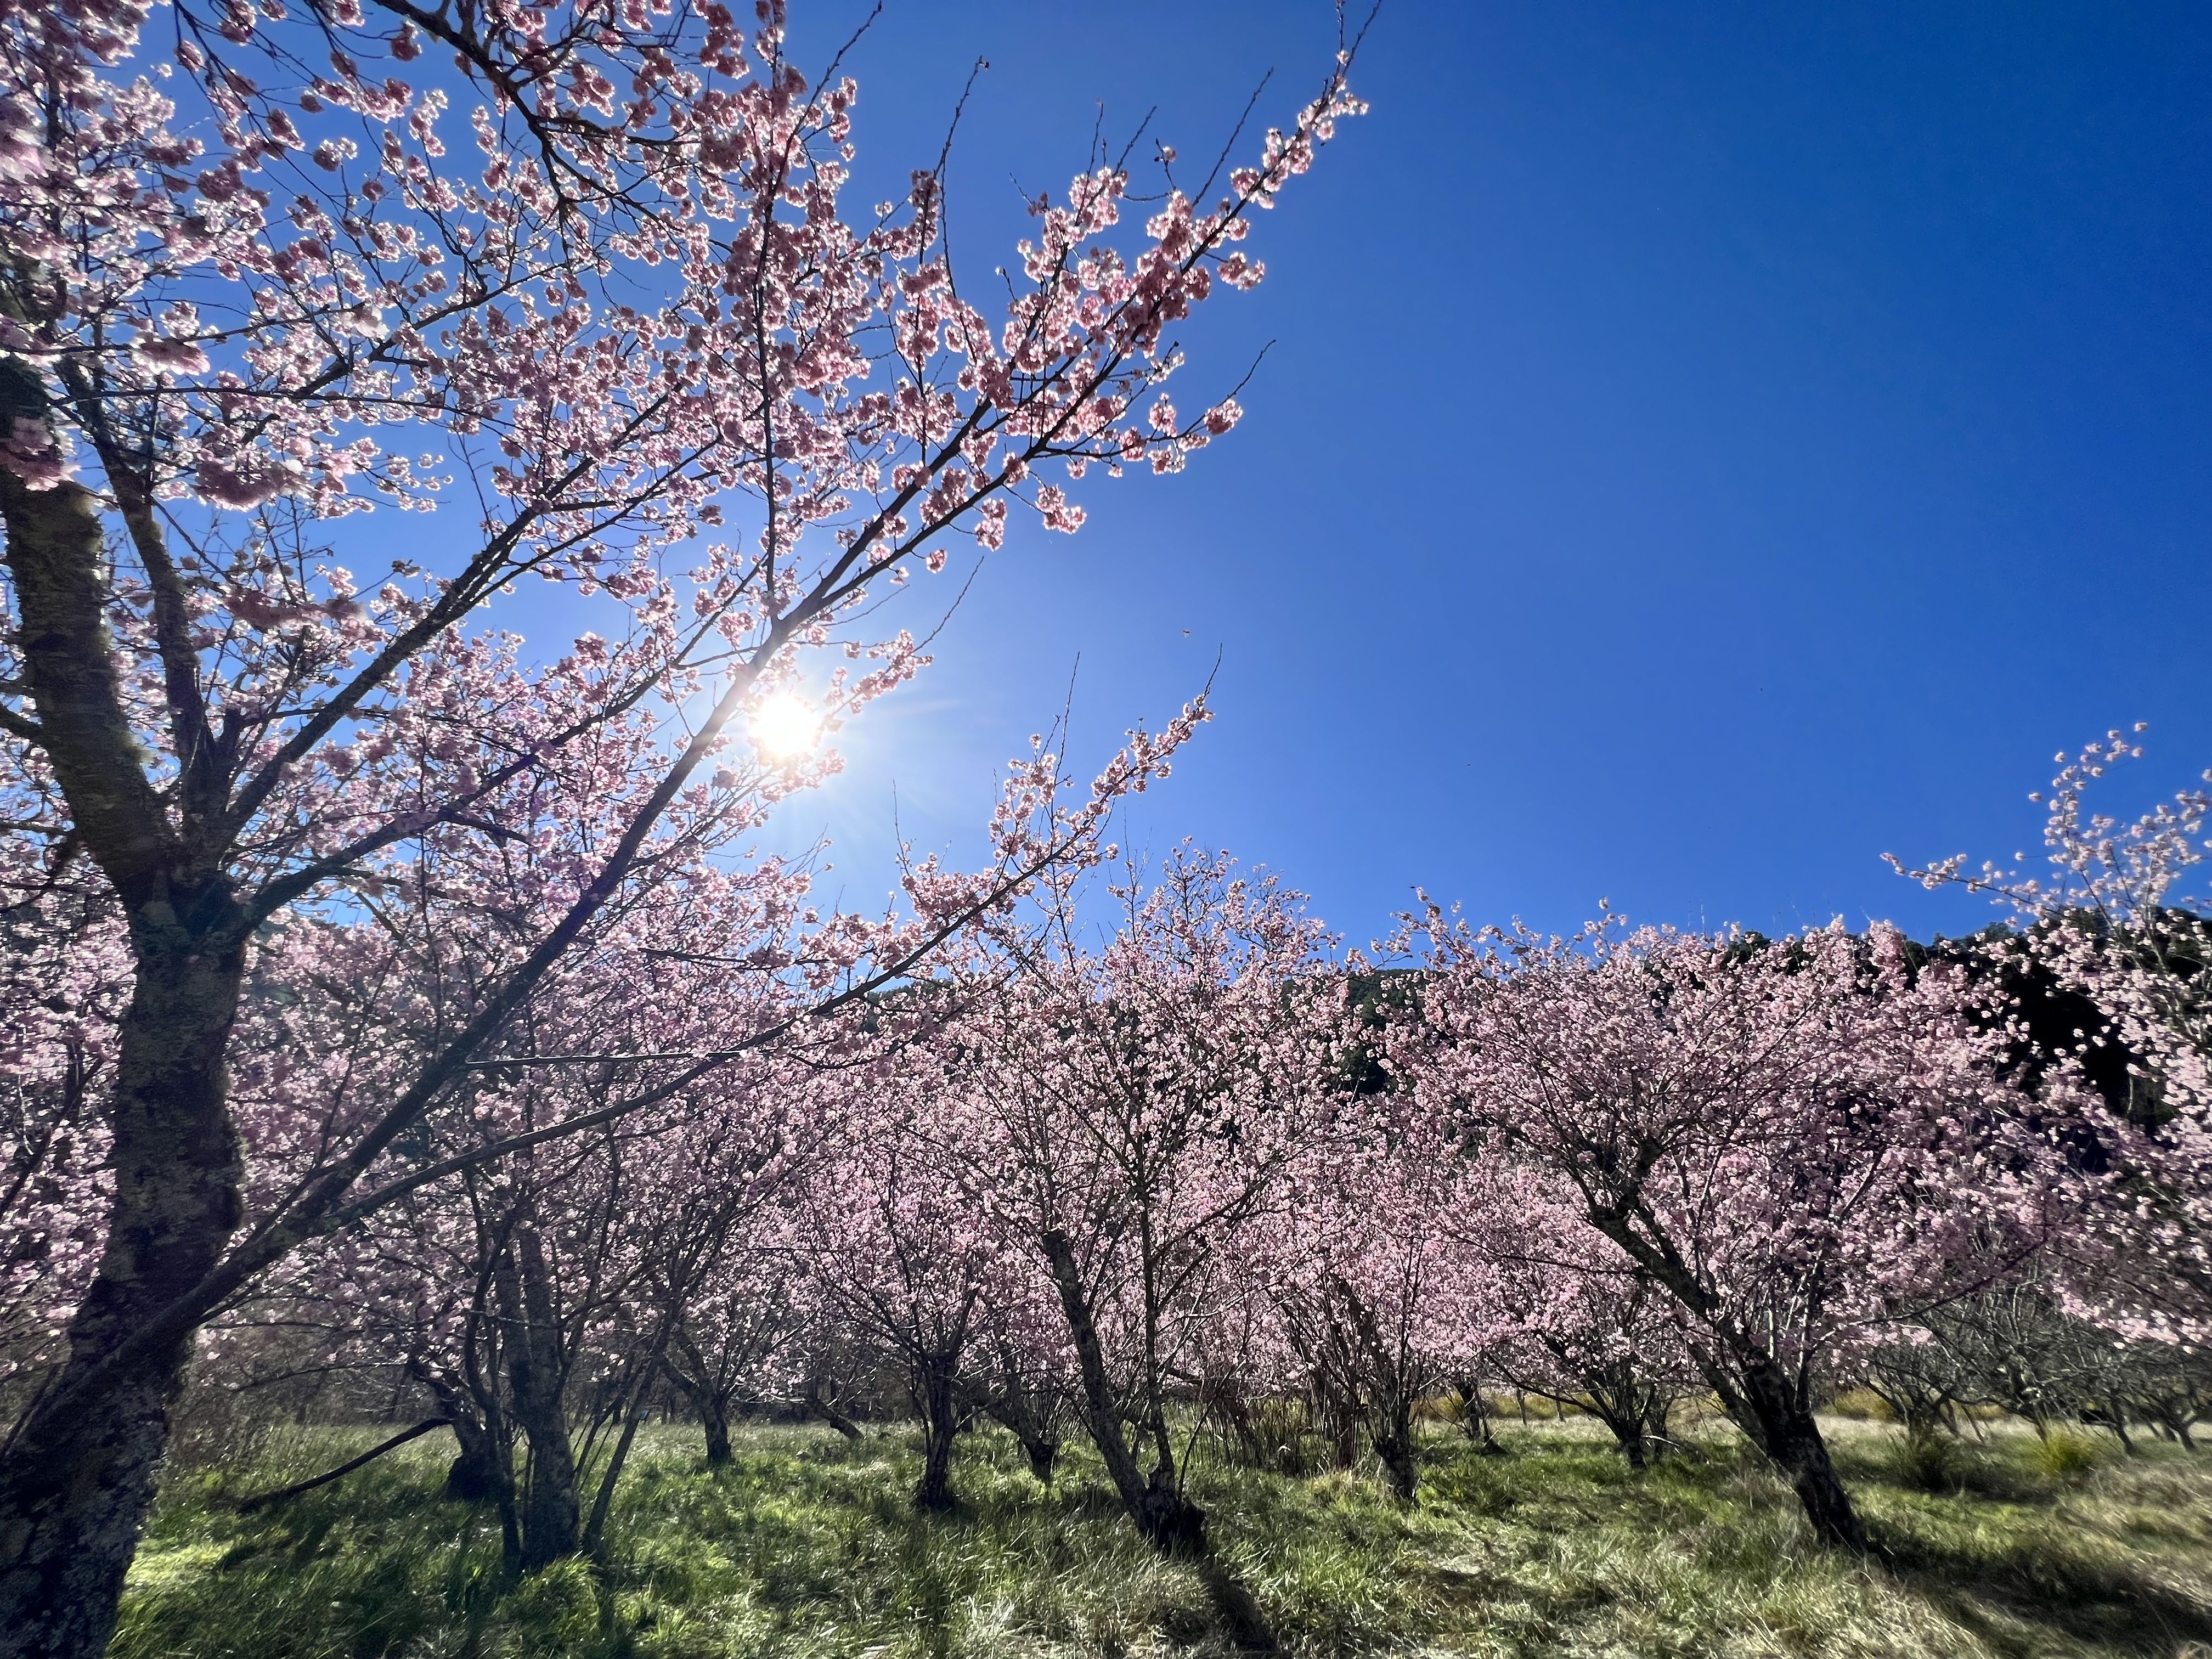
(401,1021)
(297,856)
(1169,1172)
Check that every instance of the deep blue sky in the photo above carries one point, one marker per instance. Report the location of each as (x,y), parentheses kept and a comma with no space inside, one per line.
(1703,447)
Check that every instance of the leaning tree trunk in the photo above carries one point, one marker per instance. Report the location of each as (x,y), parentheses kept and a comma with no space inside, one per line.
(1629,1408)
(1769,1409)
(1627,1426)
(1766,1402)
(684,1366)
(1014,1411)
(816,1402)
(1043,1452)
(1167,1519)
(76,1484)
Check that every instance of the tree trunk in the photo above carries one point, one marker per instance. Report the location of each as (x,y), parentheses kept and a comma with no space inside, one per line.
(1780,1424)
(74,1486)
(1042,1455)
(682,1363)
(1628,1431)
(1166,1518)
(552,1512)
(820,1405)
(1392,1436)
(2109,1418)
(1632,1409)
(595,1529)
(75,1481)
(1014,1409)
(475,1476)
(940,1422)
(1474,1416)
(714,1418)
(1336,1418)
(484,1471)
(1766,1402)
(1225,1400)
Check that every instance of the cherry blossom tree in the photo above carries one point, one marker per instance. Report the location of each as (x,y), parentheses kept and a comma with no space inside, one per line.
(1799,1141)
(1579,1325)
(254,289)
(1126,1112)
(1372,1269)
(1026,1377)
(890,1235)
(733,1347)
(537,1291)
(2116,927)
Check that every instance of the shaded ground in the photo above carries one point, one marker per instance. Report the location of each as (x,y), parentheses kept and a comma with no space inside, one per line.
(807,1547)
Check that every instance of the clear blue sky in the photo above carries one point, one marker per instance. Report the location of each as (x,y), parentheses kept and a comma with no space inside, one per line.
(1703,447)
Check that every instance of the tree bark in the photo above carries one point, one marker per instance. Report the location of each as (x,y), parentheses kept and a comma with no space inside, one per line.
(940,1422)
(716,1420)
(1394,1446)
(1166,1518)
(1780,1423)
(74,1491)
(595,1529)
(1224,1399)
(75,1487)
(552,1512)
(474,1476)
(484,1471)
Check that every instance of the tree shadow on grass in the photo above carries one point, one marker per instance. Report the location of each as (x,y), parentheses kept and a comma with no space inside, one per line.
(2079,1599)
(1237,1619)
(1236,1609)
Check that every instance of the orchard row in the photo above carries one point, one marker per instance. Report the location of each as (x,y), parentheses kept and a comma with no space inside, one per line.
(1148,1145)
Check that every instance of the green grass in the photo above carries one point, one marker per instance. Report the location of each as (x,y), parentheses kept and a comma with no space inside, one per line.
(808,1547)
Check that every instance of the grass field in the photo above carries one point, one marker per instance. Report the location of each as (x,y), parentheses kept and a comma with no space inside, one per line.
(808,1547)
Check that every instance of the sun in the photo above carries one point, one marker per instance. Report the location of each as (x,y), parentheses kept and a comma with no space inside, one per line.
(785,726)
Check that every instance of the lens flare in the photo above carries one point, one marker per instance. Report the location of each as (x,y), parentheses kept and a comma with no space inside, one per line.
(786,727)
